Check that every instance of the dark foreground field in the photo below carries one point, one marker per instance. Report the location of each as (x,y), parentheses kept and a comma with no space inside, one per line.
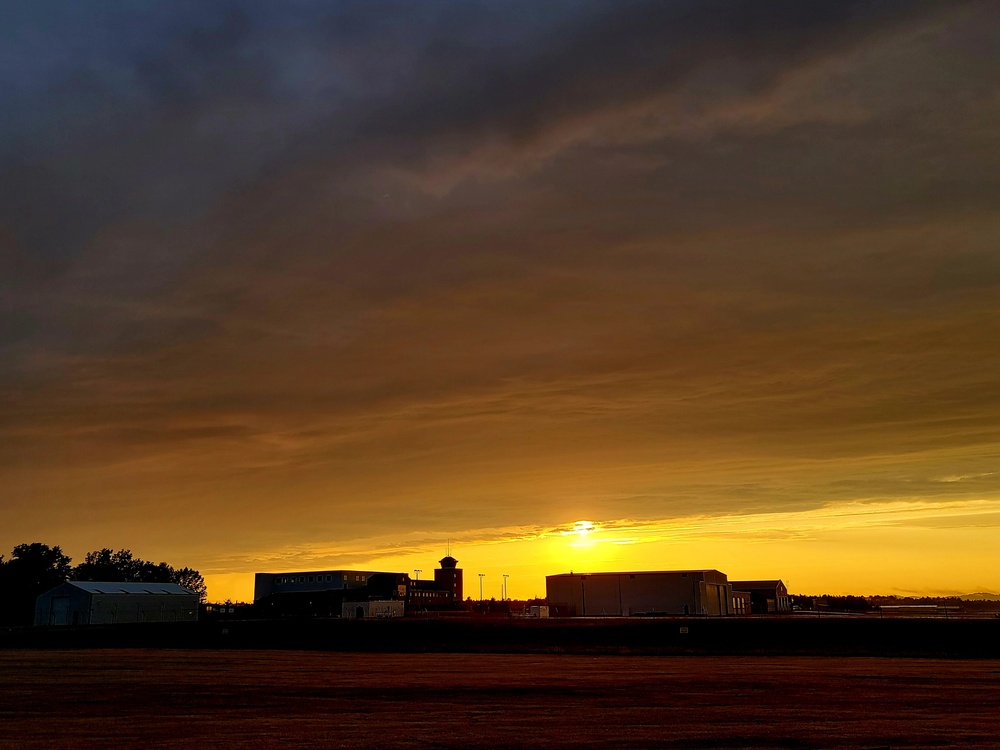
(633,636)
(270,699)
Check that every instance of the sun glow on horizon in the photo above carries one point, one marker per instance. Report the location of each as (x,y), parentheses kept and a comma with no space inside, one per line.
(855,547)
(580,532)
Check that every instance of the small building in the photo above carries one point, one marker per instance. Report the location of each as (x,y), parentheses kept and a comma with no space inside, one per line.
(428,595)
(373,608)
(665,592)
(114,602)
(766,597)
(741,602)
(384,586)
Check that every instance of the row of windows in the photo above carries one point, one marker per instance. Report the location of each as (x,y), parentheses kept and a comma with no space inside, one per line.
(313,579)
(442,594)
(302,579)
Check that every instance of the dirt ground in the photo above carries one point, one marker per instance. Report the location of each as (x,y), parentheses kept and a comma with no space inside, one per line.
(269,699)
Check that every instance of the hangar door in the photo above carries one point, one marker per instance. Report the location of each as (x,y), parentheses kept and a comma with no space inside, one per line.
(59,610)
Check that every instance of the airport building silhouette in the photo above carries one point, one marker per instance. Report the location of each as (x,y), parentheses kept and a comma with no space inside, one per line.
(381,594)
(664,592)
(357,593)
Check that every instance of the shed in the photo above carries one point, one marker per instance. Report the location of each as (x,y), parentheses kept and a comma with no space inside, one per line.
(110,602)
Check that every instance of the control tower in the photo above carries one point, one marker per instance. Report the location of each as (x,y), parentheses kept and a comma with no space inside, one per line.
(449,577)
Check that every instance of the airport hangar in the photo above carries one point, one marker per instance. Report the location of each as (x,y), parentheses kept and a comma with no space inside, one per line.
(664,592)
(111,602)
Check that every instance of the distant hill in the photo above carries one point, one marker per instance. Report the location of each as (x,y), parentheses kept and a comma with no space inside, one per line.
(981,596)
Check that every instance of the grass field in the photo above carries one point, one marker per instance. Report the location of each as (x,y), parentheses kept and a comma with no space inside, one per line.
(270,699)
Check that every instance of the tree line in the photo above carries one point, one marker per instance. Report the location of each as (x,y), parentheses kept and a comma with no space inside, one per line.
(869,604)
(36,568)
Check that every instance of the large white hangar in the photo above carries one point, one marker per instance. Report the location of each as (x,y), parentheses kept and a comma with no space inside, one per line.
(664,592)
(107,603)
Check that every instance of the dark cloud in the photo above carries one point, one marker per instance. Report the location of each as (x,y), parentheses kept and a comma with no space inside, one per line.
(157,118)
(626,53)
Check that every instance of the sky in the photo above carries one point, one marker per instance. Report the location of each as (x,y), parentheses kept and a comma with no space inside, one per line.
(566,285)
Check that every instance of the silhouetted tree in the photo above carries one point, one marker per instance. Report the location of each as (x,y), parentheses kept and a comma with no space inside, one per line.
(191,579)
(32,569)
(101,565)
(848,603)
(105,565)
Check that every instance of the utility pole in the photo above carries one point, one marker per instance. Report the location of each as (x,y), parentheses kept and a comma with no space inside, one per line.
(505,577)
(481,576)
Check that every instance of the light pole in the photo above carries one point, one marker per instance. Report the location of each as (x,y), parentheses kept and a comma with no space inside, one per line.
(418,572)
(481,576)
(505,577)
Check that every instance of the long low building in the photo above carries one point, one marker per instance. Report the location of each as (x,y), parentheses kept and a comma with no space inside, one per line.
(664,592)
(112,602)
(307,581)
